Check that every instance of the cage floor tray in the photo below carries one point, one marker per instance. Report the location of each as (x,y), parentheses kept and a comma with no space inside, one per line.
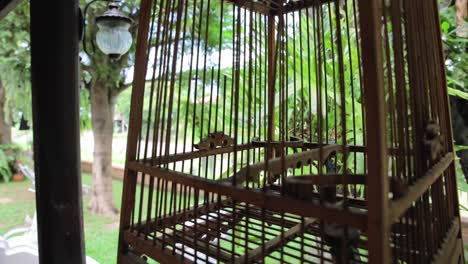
(231,232)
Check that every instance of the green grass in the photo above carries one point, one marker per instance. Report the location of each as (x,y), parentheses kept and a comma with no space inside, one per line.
(15,203)
(101,232)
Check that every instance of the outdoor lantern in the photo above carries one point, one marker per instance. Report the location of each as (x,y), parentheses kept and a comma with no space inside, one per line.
(113,37)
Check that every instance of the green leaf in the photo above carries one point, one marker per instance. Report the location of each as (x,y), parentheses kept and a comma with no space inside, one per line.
(460,147)
(445,27)
(456,92)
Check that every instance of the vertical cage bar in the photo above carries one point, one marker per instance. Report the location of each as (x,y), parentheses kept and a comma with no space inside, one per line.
(448,122)
(129,184)
(377,183)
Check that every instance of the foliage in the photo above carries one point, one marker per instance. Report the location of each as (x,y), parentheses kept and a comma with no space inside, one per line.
(456,54)
(85,110)
(456,69)
(10,154)
(5,171)
(123,104)
(457,92)
(15,62)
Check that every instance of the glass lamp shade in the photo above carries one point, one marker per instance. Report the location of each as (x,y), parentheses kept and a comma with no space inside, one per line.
(113,37)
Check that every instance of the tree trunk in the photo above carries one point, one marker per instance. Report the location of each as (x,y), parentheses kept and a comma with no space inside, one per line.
(462,13)
(5,126)
(102,111)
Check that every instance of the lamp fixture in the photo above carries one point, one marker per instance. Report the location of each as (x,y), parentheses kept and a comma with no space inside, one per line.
(113,37)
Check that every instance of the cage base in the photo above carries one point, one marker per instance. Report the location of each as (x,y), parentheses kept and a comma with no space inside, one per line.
(226,231)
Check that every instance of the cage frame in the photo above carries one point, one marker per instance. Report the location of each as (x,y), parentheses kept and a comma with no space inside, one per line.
(381,212)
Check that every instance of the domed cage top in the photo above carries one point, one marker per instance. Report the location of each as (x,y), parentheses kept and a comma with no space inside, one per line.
(281,131)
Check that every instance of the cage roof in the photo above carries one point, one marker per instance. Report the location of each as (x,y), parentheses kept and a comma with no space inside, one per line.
(276,7)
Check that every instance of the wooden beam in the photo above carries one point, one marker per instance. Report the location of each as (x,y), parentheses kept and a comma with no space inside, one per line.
(55,101)
(136,109)
(456,256)
(327,179)
(254,6)
(271,71)
(444,254)
(277,165)
(399,207)
(147,247)
(195,154)
(293,6)
(351,148)
(370,14)
(6,6)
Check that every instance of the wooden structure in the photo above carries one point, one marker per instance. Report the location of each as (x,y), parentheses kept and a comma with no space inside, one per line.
(299,131)
(6,6)
(55,105)
(55,100)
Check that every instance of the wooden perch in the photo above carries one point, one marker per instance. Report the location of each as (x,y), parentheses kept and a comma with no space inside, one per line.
(280,164)
(294,142)
(302,187)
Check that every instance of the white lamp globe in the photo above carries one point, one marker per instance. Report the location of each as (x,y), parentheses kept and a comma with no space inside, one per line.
(113,37)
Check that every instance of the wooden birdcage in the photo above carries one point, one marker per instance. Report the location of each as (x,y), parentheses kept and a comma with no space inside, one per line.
(290,131)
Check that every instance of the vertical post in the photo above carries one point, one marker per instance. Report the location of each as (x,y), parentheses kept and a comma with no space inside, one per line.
(448,124)
(55,99)
(374,100)
(136,108)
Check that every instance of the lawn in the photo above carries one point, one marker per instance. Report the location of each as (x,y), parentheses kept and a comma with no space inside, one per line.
(101,233)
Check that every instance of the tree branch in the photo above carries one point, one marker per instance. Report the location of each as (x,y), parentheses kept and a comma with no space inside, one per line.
(122,87)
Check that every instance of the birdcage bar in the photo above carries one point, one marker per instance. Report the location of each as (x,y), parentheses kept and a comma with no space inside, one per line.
(263,199)
(129,182)
(377,202)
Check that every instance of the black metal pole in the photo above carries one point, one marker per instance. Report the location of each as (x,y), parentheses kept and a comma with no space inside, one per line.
(54,63)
